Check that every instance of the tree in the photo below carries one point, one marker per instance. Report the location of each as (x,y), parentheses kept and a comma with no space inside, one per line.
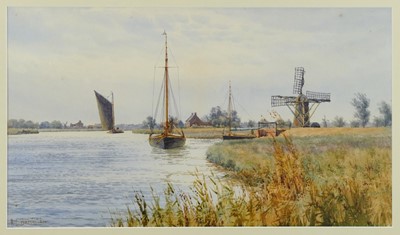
(150,122)
(174,122)
(361,104)
(235,122)
(29,124)
(12,123)
(324,122)
(355,123)
(386,110)
(377,121)
(217,117)
(44,125)
(338,122)
(56,124)
(21,123)
(251,124)
(181,124)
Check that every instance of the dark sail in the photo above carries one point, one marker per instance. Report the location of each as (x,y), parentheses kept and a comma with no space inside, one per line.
(105,111)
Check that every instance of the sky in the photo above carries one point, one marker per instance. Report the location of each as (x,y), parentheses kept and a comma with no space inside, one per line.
(58,56)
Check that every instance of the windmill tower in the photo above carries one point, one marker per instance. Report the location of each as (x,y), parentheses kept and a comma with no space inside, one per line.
(302,106)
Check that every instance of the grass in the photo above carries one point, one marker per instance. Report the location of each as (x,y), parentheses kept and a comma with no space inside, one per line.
(325,179)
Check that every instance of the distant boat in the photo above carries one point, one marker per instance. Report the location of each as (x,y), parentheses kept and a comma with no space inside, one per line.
(167,140)
(106,113)
(230,135)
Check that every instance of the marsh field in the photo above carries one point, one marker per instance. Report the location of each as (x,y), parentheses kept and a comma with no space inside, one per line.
(304,177)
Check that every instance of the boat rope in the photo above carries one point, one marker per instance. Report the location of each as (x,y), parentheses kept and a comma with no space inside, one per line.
(242,107)
(226,96)
(158,100)
(179,93)
(154,88)
(233,104)
(172,55)
(173,98)
(163,102)
(154,112)
(179,85)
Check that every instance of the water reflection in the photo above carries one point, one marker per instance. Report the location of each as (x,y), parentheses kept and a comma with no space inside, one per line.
(176,152)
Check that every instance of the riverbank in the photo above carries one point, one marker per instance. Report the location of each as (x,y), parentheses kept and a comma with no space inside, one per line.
(21,131)
(324,176)
(248,154)
(17,131)
(305,177)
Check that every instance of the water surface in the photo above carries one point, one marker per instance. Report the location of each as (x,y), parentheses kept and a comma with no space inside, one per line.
(74,179)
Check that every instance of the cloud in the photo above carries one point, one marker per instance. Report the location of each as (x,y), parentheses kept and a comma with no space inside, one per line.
(60,55)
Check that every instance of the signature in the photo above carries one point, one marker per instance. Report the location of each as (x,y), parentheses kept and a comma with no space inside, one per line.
(27,221)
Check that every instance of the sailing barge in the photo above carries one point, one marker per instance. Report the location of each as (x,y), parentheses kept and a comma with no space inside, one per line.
(106,113)
(230,135)
(167,140)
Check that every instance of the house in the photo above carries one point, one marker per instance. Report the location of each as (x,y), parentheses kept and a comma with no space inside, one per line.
(195,121)
(77,125)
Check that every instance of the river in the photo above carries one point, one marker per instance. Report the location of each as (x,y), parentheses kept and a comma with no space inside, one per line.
(75,179)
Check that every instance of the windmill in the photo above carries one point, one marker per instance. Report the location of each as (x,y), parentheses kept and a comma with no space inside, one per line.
(302,106)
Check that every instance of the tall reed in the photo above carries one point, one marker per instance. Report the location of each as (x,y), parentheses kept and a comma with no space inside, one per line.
(342,187)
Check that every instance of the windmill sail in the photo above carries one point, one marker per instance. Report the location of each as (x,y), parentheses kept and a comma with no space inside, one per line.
(318,96)
(298,80)
(302,106)
(278,100)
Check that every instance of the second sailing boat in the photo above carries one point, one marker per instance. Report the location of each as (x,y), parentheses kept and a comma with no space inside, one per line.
(167,139)
(230,135)
(106,113)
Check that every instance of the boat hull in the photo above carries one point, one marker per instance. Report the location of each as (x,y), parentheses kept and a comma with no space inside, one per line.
(115,131)
(167,142)
(237,137)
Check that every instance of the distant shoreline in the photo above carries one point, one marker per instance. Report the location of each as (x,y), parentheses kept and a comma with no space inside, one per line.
(194,133)
(68,130)
(23,131)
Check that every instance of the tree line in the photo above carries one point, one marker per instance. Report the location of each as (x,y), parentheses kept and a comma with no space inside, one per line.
(219,118)
(362,114)
(21,123)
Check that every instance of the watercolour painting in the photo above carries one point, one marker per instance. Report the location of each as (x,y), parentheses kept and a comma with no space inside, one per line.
(216,116)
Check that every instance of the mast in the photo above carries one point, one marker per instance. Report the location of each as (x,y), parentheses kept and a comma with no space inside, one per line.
(166,128)
(112,109)
(230,108)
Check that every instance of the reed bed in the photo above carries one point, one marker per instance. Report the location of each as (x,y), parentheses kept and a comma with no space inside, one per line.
(337,181)
(20,131)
